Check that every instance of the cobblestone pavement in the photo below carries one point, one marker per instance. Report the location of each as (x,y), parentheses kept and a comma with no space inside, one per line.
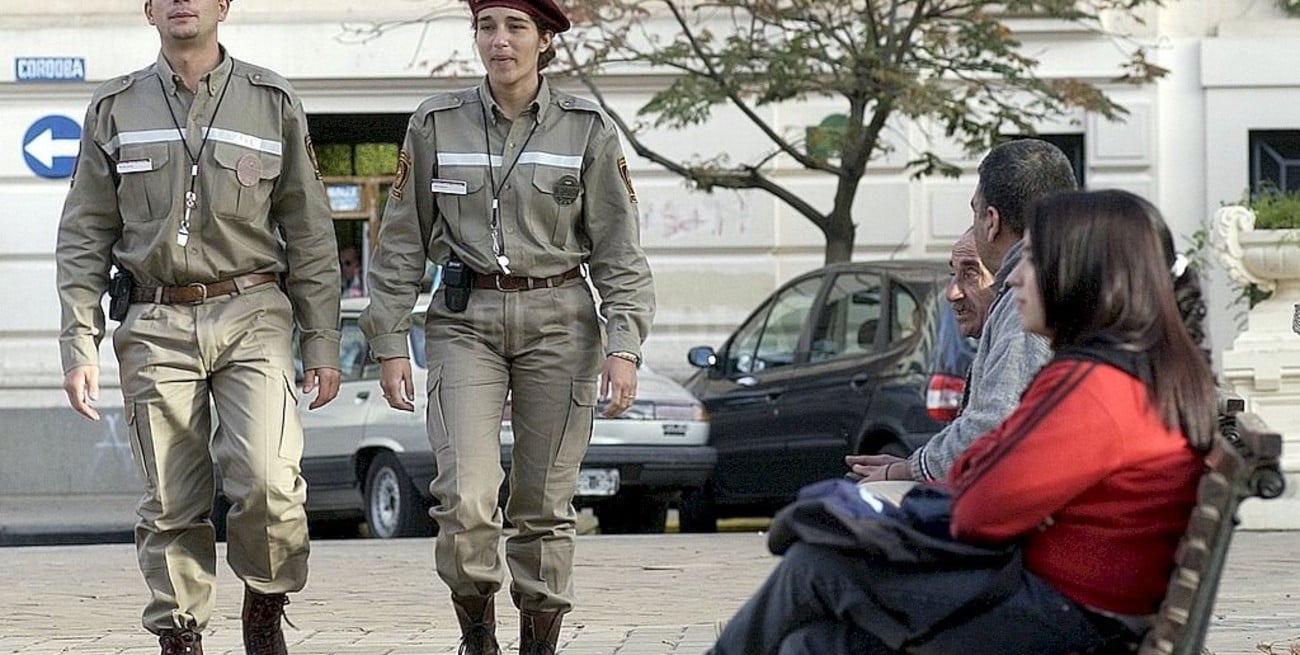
(638,595)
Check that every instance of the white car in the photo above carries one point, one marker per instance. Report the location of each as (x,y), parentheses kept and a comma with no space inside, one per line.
(362,457)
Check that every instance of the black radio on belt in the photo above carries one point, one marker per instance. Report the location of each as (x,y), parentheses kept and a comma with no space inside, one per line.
(457,280)
(119,294)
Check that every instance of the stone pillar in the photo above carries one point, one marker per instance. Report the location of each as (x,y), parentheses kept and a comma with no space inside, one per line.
(1263,364)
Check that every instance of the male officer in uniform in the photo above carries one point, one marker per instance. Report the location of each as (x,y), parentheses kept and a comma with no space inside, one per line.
(196,179)
(514,188)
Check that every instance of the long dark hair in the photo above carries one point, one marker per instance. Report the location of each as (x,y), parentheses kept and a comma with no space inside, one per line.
(1187,286)
(1104,277)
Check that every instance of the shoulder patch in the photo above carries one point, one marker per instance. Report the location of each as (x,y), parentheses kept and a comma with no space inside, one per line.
(311,154)
(627,179)
(403,172)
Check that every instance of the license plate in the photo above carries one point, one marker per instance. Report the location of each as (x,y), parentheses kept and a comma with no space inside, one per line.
(597,482)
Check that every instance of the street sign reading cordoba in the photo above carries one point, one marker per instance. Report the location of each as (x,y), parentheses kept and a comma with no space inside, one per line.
(50,146)
(49,69)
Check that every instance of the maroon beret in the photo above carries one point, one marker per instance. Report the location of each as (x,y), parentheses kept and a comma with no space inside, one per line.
(547,13)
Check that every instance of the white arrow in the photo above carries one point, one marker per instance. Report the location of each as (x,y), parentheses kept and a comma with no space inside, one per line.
(45,148)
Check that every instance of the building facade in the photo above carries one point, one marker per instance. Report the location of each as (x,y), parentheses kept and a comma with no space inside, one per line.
(1224,119)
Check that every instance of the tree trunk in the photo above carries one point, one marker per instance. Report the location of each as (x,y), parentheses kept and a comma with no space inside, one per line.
(839,247)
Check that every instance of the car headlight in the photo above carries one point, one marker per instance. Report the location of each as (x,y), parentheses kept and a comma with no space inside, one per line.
(680,412)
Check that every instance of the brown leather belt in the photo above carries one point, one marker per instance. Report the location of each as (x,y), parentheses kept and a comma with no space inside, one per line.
(517,283)
(194,294)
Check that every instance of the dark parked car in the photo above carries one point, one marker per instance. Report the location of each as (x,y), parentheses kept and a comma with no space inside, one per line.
(854,358)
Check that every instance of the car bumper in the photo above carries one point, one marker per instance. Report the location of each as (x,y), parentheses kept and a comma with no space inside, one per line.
(654,467)
(643,468)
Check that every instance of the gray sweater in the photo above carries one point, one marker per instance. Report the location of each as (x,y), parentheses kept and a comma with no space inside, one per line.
(1006,359)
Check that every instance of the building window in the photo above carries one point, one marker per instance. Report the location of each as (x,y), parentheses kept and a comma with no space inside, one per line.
(1274,161)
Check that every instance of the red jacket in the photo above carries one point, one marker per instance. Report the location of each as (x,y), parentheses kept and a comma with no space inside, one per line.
(1087,474)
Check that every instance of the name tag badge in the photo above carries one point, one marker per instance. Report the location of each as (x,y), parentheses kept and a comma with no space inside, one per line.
(452,187)
(134,166)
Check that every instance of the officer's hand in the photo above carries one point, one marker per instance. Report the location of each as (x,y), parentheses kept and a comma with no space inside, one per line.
(395,380)
(327,379)
(874,468)
(81,383)
(618,384)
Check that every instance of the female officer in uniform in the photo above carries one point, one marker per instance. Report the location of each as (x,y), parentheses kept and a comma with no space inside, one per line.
(517,190)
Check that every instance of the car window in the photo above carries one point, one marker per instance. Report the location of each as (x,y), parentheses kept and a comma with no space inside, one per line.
(353,352)
(907,312)
(849,319)
(771,339)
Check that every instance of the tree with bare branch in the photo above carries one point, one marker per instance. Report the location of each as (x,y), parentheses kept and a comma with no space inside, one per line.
(955,66)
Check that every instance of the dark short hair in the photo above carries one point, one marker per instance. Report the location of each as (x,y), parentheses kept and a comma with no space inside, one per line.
(1103,274)
(1015,174)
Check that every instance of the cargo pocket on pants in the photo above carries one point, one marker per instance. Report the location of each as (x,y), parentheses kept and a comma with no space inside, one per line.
(577,424)
(435,419)
(291,437)
(137,428)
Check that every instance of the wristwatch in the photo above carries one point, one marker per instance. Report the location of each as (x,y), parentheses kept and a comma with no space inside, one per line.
(629,356)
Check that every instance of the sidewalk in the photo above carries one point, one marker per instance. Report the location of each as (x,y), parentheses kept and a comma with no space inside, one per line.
(61,520)
(637,595)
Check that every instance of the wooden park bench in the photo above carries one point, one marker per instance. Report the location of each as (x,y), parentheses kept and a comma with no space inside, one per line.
(1243,463)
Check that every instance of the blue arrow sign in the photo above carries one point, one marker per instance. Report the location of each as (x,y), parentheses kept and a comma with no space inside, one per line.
(50,146)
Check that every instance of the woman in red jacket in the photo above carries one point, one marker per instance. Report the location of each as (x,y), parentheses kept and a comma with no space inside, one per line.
(1094,474)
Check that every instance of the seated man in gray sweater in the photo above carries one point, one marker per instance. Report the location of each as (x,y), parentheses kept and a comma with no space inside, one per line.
(1011,177)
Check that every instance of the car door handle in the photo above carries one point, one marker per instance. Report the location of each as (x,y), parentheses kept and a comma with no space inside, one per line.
(860,380)
(774,394)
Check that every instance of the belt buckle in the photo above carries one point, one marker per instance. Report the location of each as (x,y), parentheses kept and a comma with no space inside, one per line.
(203,295)
(496,279)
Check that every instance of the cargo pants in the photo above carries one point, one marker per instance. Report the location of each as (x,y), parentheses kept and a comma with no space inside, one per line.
(543,347)
(178,363)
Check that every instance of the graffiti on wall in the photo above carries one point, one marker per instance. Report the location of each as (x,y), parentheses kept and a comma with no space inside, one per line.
(714,216)
(113,450)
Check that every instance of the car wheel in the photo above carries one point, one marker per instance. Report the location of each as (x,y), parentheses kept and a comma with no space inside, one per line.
(895,448)
(394,508)
(699,510)
(633,514)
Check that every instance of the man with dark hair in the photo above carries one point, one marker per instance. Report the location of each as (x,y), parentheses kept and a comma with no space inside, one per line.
(196,181)
(1011,177)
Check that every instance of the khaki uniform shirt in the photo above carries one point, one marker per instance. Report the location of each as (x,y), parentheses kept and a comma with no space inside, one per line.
(261,208)
(566,201)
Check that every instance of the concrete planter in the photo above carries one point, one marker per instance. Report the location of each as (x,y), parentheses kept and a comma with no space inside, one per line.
(1270,259)
(1263,364)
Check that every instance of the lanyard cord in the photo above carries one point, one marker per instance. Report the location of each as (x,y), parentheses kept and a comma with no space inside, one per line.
(191,198)
(498,245)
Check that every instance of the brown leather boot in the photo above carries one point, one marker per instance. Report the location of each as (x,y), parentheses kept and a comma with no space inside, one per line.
(261,617)
(478,624)
(539,632)
(181,642)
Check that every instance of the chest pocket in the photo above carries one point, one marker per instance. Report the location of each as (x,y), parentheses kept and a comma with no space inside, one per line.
(241,187)
(467,215)
(146,195)
(556,204)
